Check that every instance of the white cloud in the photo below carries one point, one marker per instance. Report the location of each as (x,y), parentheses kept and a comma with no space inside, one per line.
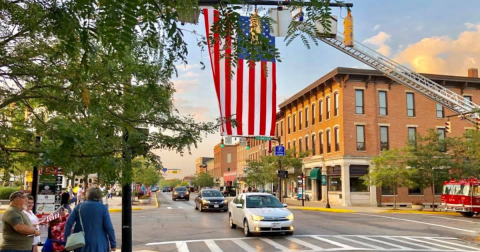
(444,55)
(376,27)
(470,26)
(188,67)
(379,41)
(188,75)
(185,85)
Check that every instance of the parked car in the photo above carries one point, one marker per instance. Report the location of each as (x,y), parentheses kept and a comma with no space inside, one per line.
(260,213)
(180,192)
(166,189)
(210,199)
(154,189)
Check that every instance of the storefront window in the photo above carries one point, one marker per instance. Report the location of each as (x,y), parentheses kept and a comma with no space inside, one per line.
(415,191)
(387,190)
(308,184)
(357,185)
(335,184)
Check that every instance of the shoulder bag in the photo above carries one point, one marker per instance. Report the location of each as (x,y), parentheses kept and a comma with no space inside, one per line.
(76,240)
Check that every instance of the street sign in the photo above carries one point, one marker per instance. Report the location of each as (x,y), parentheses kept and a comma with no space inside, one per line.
(279,151)
(264,138)
(243,141)
(164,170)
(45,199)
(324,180)
(228,140)
(59,180)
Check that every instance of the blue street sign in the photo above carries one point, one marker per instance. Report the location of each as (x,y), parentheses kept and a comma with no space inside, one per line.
(164,170)
(279,151)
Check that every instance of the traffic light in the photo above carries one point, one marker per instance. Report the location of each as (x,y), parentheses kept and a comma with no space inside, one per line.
(222,144)
(448,127)
(248,144)
(285,174)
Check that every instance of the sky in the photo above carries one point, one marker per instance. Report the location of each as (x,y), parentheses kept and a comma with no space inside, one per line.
(429,36)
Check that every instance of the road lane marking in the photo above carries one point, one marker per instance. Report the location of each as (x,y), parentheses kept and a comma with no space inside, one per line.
(453,219)
(361,243)
(179,207)
(433,243)
(397,239)
(383,242)
(304,243)
(169,207)
(213,246)
(338,244)
(451,243)
(244,245)
(275,244)
(182,247)
(420,222)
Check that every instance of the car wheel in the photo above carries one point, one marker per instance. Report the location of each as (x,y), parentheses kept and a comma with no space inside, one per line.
(174,199)
(246,229)
(232,225)
(201,208)
(196,206)
(289,233)
(467,214)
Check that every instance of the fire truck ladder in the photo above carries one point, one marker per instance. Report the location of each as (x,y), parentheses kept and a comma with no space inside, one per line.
(407,77)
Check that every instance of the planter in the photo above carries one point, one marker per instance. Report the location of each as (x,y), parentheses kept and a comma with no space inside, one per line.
(144,201)
(418,207)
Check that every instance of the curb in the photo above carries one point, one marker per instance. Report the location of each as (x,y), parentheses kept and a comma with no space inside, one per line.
(119,209)
(318,209)
(417,212)
(156,200)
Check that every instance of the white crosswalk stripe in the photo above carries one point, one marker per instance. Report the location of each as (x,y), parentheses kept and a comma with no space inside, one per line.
(307,243)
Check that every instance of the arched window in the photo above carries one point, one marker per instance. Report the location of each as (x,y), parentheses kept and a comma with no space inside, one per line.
(335,104)
(329,141)
(337,138)
(306,117)
(313,114)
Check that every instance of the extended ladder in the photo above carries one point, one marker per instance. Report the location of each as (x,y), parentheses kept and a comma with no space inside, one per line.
(405,76)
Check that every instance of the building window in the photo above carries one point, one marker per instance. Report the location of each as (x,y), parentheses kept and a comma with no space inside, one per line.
(387,191)
(300,119)
(313,114)
(440,111)
(320,111)
(441,135)
(410,104)
(337,138)
(357,185)
(382,103)
(412,136)
(415,191)
(328,142)
(320,137)
(468,98)
(334,184)
(335,104)
(228,169)
(308,183)
(306,117)
(327,100)
(288,146)
(294,148)
(300,145)
(384,138)
(359,102)
(361,138)
(314,151)
(281,128)
(306,143)
(276,129)
(294,122)
(229,158)
(288,126)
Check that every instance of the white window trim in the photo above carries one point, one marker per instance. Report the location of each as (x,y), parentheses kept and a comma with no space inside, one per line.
(384,124)
(412,126)
(359,123)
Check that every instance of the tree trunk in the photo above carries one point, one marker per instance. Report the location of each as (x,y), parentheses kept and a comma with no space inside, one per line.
(395,197)
(433,197)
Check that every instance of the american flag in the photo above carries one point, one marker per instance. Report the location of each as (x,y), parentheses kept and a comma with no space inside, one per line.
(249,96)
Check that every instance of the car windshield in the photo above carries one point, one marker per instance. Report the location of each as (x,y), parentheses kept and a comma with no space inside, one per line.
(211,194)
(263,201)
(180,189)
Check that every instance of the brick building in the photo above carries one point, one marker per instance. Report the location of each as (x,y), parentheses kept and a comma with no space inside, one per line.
(201,164)
(349,115)
(225,161)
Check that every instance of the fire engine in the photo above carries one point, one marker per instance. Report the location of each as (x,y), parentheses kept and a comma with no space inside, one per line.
(462,196)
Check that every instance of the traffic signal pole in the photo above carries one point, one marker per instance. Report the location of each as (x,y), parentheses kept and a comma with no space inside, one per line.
(280,180)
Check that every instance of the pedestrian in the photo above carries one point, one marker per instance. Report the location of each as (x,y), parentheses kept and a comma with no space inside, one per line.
(18,231)
(80,194)
(112,191)
(93,216)
(65,201)
(56,234)
(34,220)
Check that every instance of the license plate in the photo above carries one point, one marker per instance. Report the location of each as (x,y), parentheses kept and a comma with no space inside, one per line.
(216,206)
(276,225)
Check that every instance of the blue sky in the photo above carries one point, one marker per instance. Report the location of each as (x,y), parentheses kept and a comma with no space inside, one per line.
(434,36)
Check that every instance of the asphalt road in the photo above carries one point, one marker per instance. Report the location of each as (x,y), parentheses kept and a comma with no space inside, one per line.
(176,226)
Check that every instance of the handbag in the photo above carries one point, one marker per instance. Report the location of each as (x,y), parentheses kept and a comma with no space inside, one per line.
(76,240)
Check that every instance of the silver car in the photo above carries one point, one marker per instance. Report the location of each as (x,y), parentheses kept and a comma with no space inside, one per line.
(260,213)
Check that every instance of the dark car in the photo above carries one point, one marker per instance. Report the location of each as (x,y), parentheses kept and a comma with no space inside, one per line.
(180,192)
(210,199)
(155,189)
(166,189)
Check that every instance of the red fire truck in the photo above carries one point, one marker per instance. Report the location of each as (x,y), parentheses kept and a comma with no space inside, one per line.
(462,196)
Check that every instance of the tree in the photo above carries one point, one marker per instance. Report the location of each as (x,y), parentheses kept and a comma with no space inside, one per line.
(429,161)
(203,179)
(145,171)
(389,170)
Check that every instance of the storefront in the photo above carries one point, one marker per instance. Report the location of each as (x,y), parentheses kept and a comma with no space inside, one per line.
(316,183)
(229,177)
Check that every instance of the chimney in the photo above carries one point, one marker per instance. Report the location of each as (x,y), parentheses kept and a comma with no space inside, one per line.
(473,72)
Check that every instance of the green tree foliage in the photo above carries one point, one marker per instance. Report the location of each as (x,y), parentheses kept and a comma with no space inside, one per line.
(389,170)
(203,179)
(145,171)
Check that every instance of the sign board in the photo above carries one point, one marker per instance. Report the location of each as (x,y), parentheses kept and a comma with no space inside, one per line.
(45,208)
(228,140)
(324,180)
(59,180)
(264,138)
(243,141)
(279,151)
(164,170)
(47,188)
(45,199)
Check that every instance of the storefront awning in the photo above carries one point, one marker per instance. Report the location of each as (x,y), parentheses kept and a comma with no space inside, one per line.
(316,174)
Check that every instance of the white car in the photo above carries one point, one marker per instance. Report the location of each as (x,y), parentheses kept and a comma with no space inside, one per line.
(260,213)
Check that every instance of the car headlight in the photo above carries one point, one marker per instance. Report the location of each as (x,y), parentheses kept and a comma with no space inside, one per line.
(226,201)
(205,201)
(290,217)
(188,192)
(256,217)
(175,193)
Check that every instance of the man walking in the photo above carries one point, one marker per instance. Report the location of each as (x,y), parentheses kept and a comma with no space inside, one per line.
(18,231)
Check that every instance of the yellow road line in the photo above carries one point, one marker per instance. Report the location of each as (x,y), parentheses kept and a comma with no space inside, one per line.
(156,200)
(119,209)
(417,212)
(330,210)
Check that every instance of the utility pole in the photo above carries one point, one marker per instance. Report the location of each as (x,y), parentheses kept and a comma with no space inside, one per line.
(280,175)
(303,189)
(126,195)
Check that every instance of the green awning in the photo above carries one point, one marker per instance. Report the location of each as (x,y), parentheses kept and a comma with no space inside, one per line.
(316,174)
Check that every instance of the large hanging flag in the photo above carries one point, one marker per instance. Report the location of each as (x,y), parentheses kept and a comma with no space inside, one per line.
(249,96)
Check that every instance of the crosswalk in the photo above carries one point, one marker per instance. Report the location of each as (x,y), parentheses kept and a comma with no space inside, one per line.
(310,243)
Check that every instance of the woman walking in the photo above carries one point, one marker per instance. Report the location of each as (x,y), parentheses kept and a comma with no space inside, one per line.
(96,222)
(34,220)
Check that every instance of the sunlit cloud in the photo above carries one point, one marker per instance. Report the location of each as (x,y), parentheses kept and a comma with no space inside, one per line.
(379,41)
